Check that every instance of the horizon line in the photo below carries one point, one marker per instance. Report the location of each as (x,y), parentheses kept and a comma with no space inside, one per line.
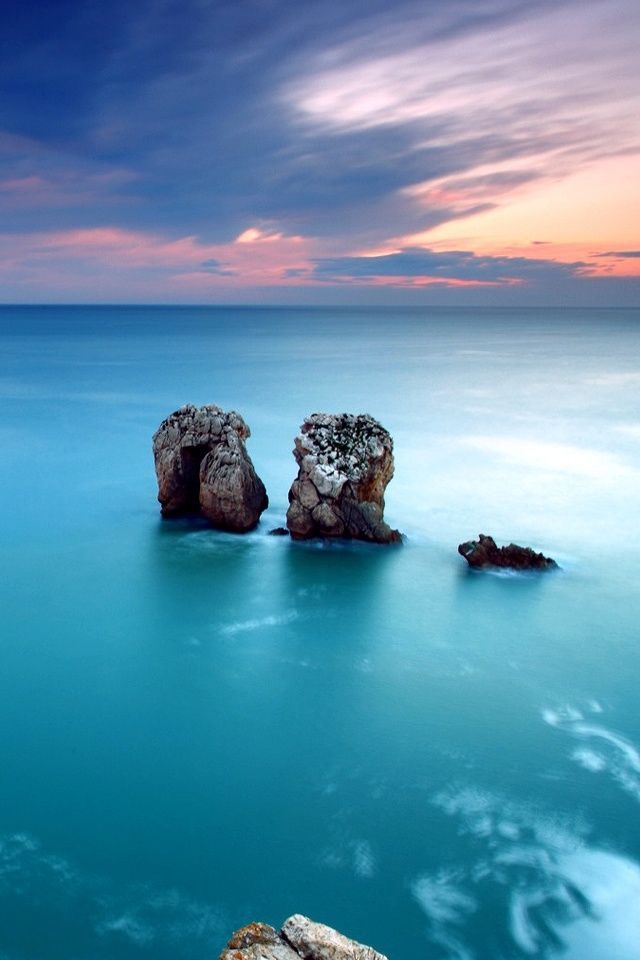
(324,306)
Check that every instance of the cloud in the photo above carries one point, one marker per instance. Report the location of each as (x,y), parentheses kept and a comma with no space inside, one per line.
(256,235)
(460,195)
(450,267)
(266,121)
(517,75)
(214,266)
(98,263)
(112,255)
(484,112)
(68,187)
(621,254)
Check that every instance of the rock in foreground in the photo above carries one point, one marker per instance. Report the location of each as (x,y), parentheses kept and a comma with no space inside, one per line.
(345,463)
(299,938)
(483,552)
(202,466)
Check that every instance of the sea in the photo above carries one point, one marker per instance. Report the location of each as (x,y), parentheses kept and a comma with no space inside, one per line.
(200,729)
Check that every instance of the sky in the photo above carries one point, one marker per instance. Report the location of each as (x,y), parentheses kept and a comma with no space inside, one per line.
(320,151)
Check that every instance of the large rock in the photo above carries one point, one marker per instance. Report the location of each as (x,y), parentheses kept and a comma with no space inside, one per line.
(299,939)
(203,467)
(483,552)
(345,463)
(315,941)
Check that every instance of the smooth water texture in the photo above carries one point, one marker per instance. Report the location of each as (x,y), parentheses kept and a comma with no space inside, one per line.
(201,729)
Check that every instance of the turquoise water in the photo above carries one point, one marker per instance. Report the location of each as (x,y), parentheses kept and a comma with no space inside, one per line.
(200,729)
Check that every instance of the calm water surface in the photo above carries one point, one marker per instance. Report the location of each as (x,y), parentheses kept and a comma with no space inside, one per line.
(200,729)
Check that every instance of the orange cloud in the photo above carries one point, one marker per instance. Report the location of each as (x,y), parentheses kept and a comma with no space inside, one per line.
(428,281)
(596,208)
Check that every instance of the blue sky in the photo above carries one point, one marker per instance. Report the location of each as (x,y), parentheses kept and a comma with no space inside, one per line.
(327,151)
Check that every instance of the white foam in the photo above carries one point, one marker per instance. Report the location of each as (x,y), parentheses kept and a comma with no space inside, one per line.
(536,857)
(466,801)
(274,620)
(553,457)
(364,863)
(130,927)
(560,716)
(629,430)
(61,867)
(589,759)
(521,926)
(142,915)
(628,782)
(615,378)
(455,949)
(610,884)
(562,891)
(624,762)
(441,900)
(508,830)
(626,748)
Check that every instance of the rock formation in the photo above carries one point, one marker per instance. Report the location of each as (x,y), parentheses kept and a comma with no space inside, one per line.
(203,467)
(483,552)
(345,463)
(298,938)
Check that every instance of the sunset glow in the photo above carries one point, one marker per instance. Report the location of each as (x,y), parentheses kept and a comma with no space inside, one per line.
(507,140)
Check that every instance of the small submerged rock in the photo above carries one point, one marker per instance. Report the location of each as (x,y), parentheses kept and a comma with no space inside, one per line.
(345,463)
(202,466)
(484,552)
(298,938)
(279,532)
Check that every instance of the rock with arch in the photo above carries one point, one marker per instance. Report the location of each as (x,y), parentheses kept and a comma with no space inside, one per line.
(203,467)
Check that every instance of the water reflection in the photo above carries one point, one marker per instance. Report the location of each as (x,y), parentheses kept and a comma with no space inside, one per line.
(223,587)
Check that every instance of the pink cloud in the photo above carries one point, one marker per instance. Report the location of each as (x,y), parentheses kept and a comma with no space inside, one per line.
(433,281)
(103,262)
(115,255)
(257,235)
(69,188)
(22,185)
